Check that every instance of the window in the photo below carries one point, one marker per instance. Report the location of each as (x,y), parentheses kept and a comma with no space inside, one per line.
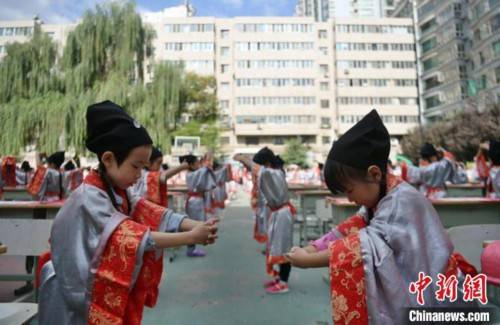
(428,25)
(496,48)
(497,75)
(224,68)
(322,33)
(429,45)
(224,104)
(224,140)
(251,141)
(224,51)
(324,50)
(224,33)
(431,82)
(324,86)
(495,23)
(430,63)
(325,123)
(224,85)
(325,140)
(279,141)
(325,103)
(323,69)
(432,102)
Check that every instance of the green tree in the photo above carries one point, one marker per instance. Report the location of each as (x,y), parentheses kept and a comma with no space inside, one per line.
(460,134)
(295,153)
(200,97)
(43,100)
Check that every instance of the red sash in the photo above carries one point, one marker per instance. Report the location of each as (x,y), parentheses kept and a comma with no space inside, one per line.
(34,186)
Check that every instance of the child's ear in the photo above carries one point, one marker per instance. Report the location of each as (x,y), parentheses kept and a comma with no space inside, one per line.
(108,158)
(375,173)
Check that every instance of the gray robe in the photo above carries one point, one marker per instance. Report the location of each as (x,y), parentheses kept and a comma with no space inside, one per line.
(67,178)
(274,187)
(23,178)
(219,194)
(404,237)
(494,181)
(78,238)
(262,212)
(433,176)
(200,181)
(52,183)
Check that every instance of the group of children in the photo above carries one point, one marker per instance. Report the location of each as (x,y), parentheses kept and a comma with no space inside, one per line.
(107,240)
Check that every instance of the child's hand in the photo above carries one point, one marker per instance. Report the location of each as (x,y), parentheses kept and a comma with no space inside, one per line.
(201,234)
(297,257)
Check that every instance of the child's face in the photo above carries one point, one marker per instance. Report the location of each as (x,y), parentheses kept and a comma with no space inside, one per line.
(156,165)
(129,172)
(365,193)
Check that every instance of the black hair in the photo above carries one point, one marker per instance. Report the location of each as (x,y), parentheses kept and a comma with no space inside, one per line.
(120,156)
(25,166)
(165,166)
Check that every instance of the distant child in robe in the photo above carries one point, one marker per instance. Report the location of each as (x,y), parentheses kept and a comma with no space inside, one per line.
(493,182)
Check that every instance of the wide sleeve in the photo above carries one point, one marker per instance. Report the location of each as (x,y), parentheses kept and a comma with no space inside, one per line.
(203,179)
(349,226)
(272,183)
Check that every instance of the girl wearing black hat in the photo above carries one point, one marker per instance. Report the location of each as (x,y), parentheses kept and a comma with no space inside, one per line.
(493,183)
(153,182)
(376,254)
(200,181)
(106,243)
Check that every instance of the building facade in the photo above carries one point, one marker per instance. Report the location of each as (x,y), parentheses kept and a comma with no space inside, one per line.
(322,10)
(287,77)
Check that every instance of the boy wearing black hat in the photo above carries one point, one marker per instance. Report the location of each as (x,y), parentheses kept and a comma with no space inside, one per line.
(493,183)
(376,254)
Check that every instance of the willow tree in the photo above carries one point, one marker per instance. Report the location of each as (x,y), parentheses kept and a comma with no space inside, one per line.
(43,99)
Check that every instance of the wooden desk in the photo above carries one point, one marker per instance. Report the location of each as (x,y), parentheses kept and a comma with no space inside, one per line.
(465,190)
(17,193)
(24,210)
(452,211)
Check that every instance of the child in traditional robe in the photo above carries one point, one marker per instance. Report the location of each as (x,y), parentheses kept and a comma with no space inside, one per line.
(257,200)
(72,177)
(431,178)
(8,171)
(24,174)
(200,179)
(47,183)
(493,183)
(106,244)
(374,255)
(153,182)
(280,225)
(223,175)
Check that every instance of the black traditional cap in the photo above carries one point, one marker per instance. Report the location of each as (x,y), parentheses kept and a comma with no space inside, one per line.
(109,127)
(69,165)
(263,156)
(56,158)
(190,159)
(428,151)
(279,162)
(26,166)
(165,166)
(367,143)
(494,152)
(155,154)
